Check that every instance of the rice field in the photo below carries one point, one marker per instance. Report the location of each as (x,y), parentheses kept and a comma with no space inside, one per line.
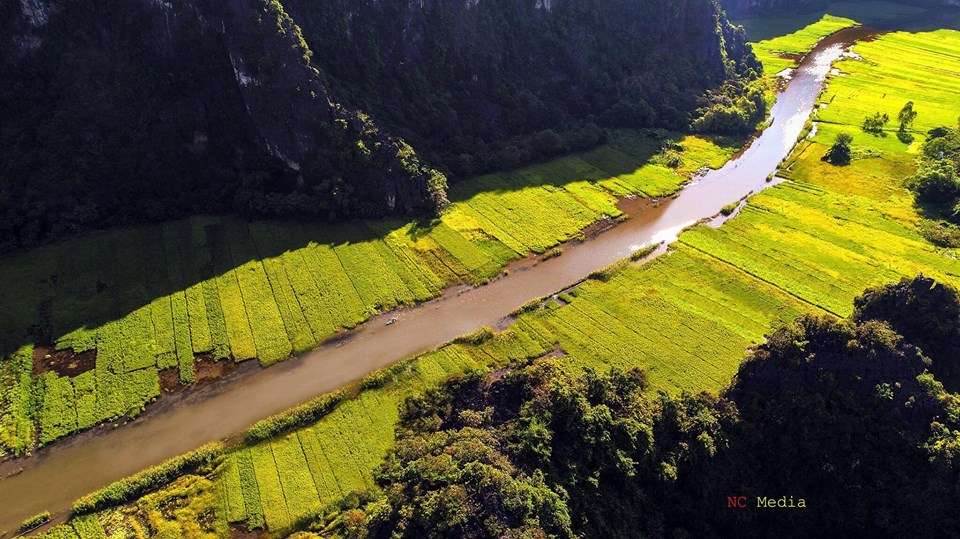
(869,12)
(780,53)
(152,300)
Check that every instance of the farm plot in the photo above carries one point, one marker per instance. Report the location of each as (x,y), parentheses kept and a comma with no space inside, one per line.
(152,299)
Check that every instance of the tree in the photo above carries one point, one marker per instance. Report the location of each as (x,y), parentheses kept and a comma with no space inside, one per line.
(841,413)
(926,313)
(875,124)
(936,182)
(840,153)
(906,116)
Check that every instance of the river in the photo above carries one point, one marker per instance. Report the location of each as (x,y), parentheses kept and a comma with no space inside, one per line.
(54,477)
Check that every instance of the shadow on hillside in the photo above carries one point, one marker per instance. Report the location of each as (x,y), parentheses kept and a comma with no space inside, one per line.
(890,17)
(86,281)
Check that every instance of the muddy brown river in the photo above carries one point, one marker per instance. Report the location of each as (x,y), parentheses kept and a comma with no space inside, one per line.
(54,477)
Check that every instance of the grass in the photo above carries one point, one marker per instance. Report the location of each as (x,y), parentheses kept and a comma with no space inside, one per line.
(807,245)
(156,297)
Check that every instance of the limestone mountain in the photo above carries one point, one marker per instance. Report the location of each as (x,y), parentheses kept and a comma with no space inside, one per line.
(117,112)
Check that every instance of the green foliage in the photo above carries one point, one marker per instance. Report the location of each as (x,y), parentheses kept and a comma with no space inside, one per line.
(926,313)
(35,521)
(940,233)
(288,420)
(604,275)
(644,252)
(137,485)
(840,153)
(278,83)
(729,209)
(263,290)
(476,337)
(936,183)
(875,124)
(534,450)
(733,109)
(906,116)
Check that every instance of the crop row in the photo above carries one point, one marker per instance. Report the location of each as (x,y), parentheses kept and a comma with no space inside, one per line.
(156,297)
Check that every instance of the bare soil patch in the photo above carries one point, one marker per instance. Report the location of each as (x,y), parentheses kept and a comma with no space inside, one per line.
(63,362)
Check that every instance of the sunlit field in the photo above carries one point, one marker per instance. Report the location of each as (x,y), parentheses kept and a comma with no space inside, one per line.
(151,299)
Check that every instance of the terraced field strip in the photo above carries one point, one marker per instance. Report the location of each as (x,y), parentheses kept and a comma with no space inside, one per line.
(157,297)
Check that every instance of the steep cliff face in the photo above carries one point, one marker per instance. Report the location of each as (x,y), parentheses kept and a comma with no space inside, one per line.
(471,74)
(150,109)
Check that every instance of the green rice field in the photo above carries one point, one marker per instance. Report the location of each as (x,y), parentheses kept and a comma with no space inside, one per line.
(780,53)
(807,245)
(155,299)
(869,12)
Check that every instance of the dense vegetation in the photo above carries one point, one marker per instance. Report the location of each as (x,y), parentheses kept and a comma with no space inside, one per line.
(937,185)
(842,415)
(154,110)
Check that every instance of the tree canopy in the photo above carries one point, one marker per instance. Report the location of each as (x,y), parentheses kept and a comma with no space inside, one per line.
(847,415)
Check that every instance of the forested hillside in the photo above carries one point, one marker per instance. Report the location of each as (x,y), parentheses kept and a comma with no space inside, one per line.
(145,110)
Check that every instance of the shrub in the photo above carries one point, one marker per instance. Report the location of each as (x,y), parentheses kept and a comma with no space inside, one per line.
(940,233)
(728,210)
(936,182)
(479,336)
(308,412)
(875,124)
(840,153)
(34,522)
(644,252)
(607,273)
(547,143)
(553,253)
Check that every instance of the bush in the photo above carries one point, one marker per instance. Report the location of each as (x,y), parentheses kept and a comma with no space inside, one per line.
(607,273)
(840,153)
(644,252)
(936,182)
(479,336)
(728,210)
(34,522)
(135,486)
(875,124)
(547,143)
(304,414)
(940,233)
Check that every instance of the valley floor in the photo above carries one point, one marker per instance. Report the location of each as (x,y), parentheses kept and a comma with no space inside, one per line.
(100,325)
(810,244)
